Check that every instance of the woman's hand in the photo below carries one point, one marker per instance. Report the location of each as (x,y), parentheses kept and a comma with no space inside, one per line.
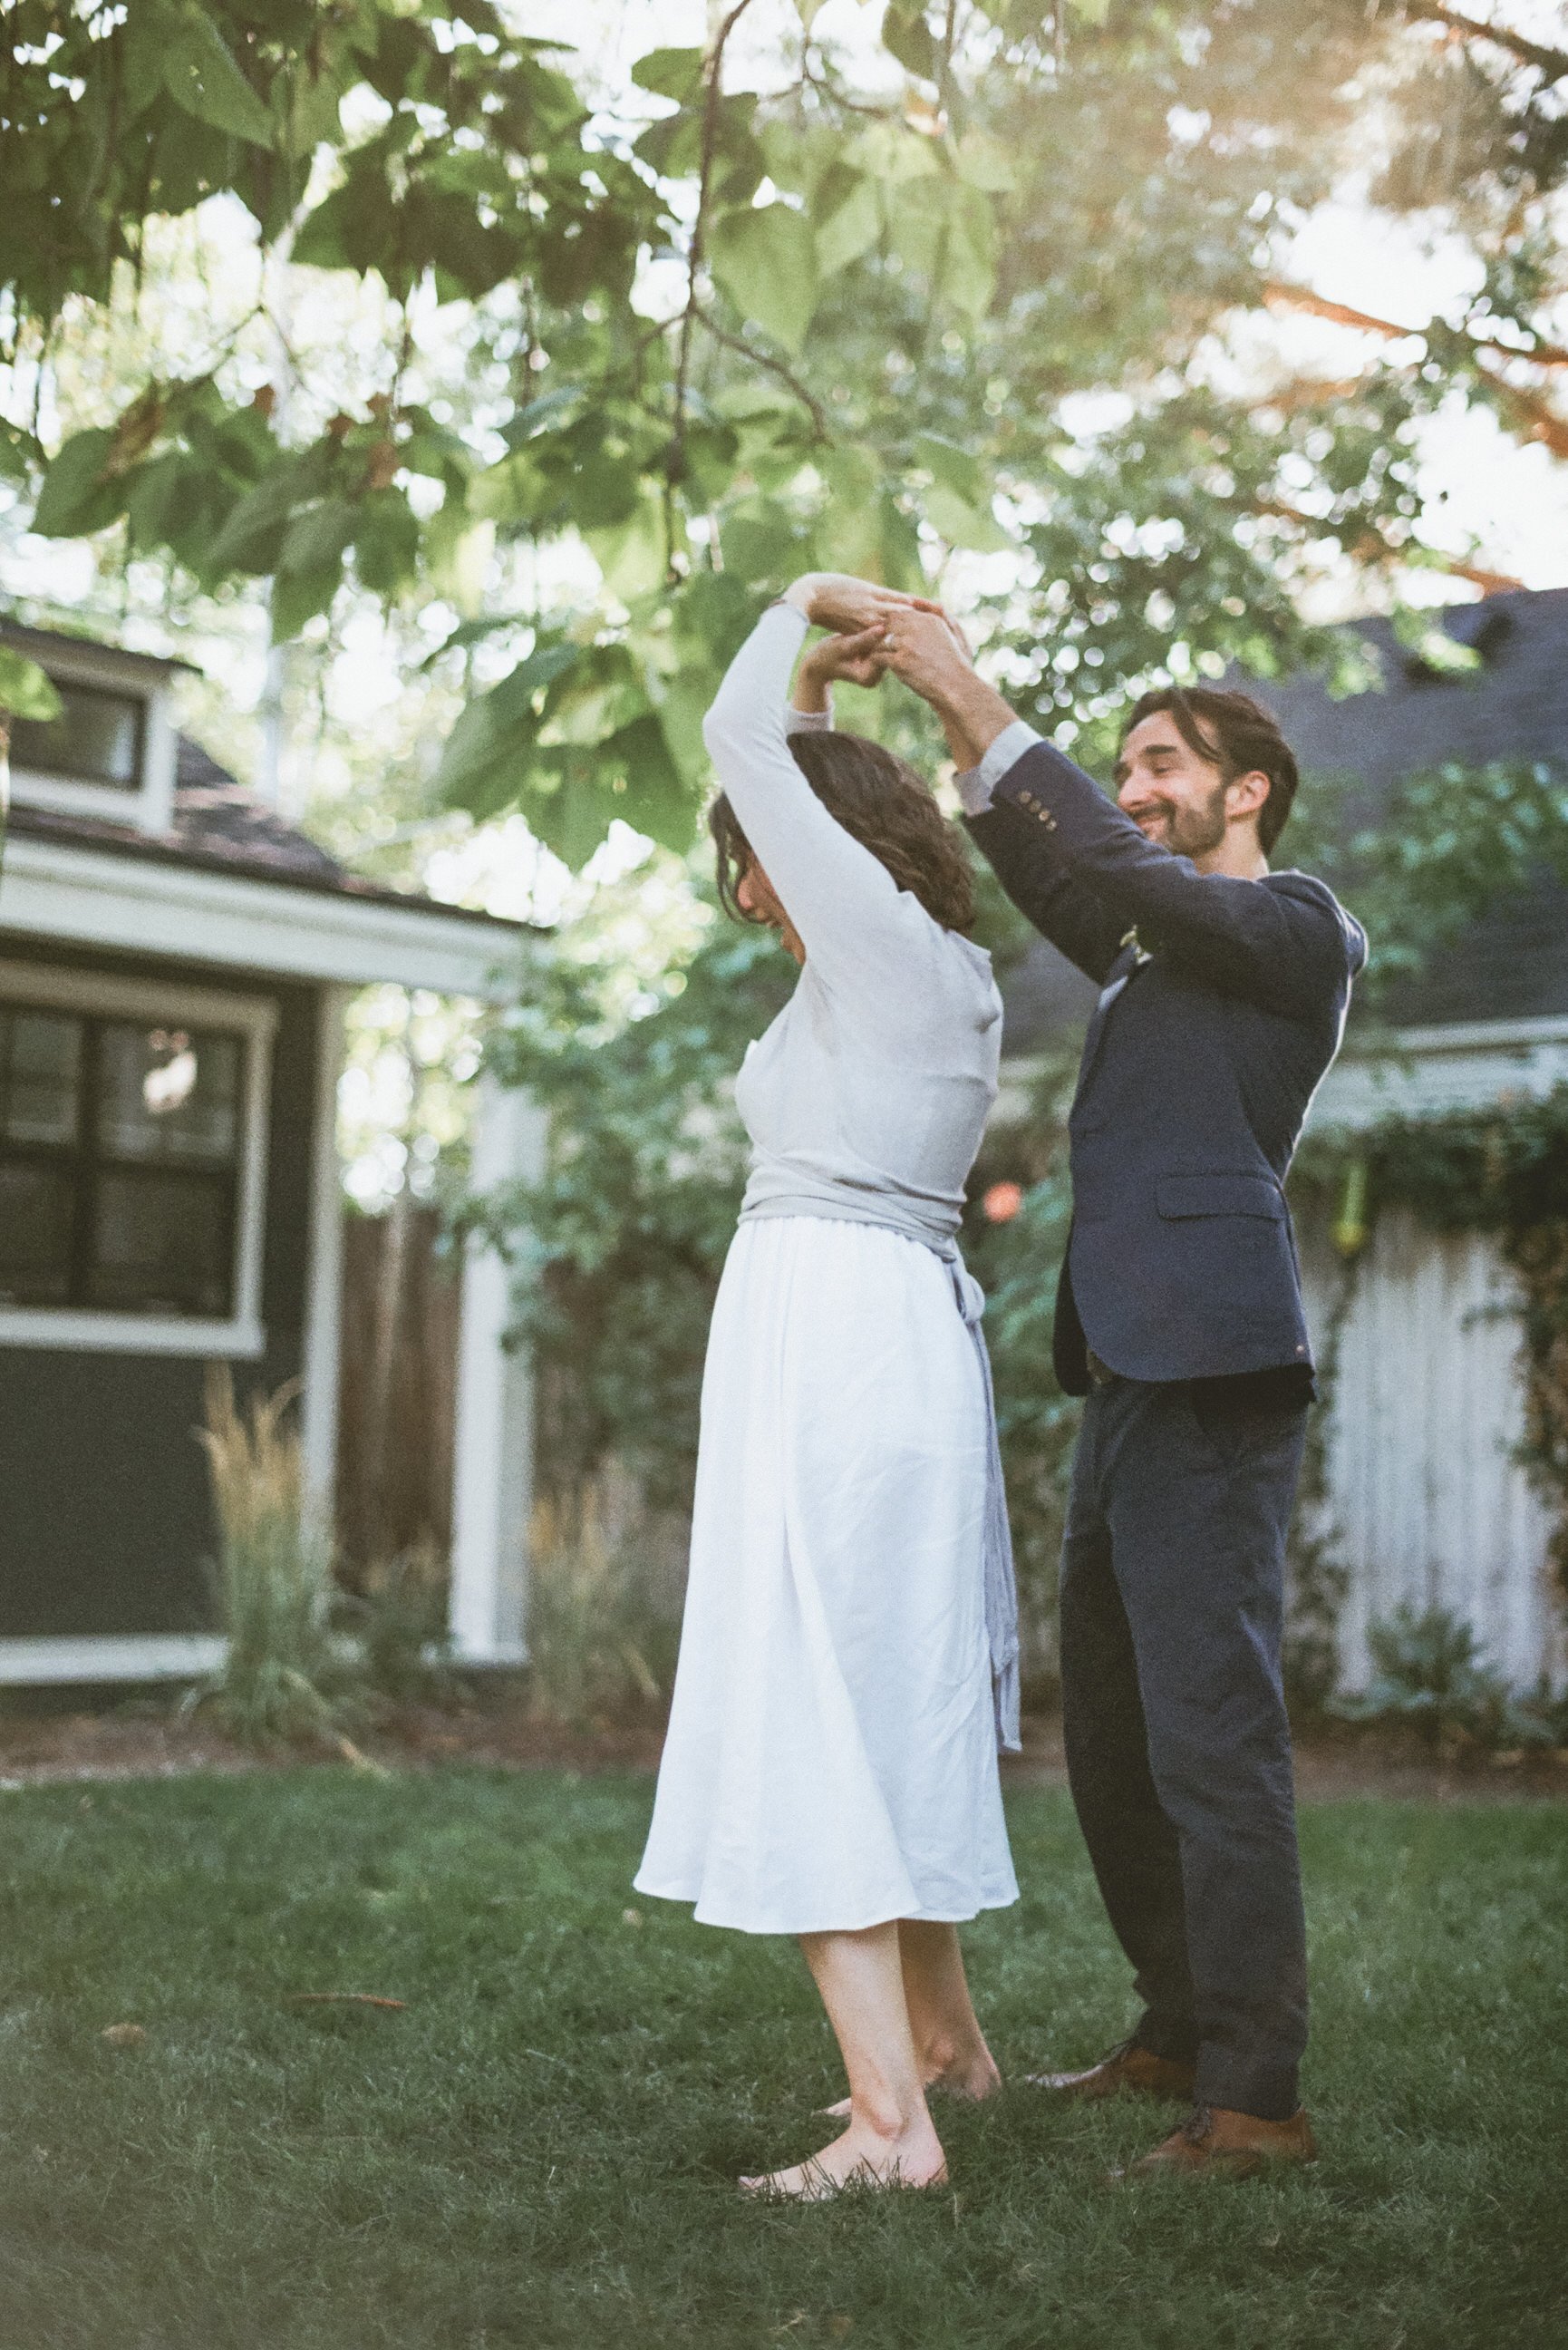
(836,600)
(859,659)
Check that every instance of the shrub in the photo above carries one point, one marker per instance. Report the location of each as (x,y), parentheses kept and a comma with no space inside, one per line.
(604,1609)
(283,1675)
(1431,1674)
(397,1619)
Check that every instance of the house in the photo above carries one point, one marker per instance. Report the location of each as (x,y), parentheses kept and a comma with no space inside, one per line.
(175,964)
(1427,1502)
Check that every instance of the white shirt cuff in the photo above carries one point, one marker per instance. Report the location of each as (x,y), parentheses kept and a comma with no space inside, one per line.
(808,721)
(976,784)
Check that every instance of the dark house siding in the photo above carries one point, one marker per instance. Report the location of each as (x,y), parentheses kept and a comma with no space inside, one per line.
(105,1521)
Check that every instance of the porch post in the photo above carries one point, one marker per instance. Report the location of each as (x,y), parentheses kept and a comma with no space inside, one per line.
(323,1305)
(493,1465)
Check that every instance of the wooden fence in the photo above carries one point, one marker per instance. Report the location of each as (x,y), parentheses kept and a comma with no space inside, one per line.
(398,1393)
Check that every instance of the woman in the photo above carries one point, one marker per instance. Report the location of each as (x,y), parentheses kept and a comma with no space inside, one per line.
(830,1770)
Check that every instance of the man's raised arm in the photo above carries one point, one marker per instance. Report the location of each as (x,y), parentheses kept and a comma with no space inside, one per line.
(1055,840)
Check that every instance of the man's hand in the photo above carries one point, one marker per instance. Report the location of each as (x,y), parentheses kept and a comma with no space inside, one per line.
(928,650)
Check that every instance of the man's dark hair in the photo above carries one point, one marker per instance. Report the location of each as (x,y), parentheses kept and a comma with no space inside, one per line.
(1234,734)
(882,802)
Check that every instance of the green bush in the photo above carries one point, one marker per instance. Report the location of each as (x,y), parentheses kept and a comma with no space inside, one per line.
(1431,1674)
(604,1623)
(285,1675)
(398,1620)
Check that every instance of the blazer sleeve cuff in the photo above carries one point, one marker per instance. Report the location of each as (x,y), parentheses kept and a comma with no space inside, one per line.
(977,784)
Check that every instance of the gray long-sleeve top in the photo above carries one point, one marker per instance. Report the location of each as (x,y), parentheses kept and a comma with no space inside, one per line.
(866,1098)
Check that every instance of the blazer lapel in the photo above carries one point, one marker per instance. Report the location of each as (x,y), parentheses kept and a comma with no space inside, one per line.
(1128,960)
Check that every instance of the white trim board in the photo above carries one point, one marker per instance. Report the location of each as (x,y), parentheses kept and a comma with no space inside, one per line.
(254,1018)
(324,1293)
(109,1656)
(91,897)
(1461,1065)
(1431,1072)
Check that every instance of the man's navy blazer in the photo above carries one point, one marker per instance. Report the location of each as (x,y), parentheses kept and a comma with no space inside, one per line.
(1221,1004)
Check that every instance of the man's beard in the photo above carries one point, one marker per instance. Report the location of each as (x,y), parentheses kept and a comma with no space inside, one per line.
(1193,831)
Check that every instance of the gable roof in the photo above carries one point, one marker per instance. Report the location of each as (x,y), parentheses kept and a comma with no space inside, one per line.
(218,824)
(1513,963)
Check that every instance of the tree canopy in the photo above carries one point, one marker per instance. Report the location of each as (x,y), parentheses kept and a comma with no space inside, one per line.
(714,337)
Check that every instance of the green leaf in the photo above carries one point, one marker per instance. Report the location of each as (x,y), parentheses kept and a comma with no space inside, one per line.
(316,538)
(907,35)
(954,467)
(75,500)
(513,492)
(571,809)
(632,555)
(763,542)
(946,230)
(686,704)
(958,503)
(669,73)
(963,525)
(485,756)
(852,227)
(202,76)
(850,530)
(658,799)
(767,262)
(387,543)
(19,452)
(252,536)
(25,690)
(984,163)
(301,596)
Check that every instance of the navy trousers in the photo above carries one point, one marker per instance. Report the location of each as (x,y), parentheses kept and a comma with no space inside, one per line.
(1178,1744)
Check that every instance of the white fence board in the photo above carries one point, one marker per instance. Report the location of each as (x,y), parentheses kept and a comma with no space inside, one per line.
(1427,1503)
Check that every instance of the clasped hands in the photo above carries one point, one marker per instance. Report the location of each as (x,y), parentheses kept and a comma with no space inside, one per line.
(875,629)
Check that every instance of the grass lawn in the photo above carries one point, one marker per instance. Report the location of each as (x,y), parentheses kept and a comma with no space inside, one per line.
(538,2149)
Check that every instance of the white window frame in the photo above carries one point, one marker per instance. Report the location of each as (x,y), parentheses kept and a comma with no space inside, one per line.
(150,806)
(239,1337)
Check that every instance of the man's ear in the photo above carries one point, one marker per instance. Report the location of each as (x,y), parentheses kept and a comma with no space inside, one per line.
(1245,795)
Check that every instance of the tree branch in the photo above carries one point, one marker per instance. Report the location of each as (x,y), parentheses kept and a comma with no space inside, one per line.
(1301,297)
(774,367)
(1553,63)
(677,464)
(1531,418)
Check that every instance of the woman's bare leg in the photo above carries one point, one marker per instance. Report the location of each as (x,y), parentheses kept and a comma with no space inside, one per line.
(891,2141)
(949,2041)
(949,2046)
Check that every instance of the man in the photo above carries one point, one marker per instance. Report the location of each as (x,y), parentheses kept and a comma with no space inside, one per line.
(1223,993)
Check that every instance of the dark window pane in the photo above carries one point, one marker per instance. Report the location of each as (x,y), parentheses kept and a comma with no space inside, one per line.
(36,1216)
(97,738)
(161,1243)
(169,1093)
(40,1068)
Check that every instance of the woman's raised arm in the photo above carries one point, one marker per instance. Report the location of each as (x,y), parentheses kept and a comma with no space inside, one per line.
(840,897)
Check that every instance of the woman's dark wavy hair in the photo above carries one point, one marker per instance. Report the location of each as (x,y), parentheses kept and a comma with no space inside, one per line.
(882,802)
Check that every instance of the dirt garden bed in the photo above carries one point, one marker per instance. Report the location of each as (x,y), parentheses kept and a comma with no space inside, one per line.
(146,1739)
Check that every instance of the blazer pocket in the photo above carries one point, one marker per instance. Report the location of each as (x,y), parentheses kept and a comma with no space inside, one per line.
(1178,1196)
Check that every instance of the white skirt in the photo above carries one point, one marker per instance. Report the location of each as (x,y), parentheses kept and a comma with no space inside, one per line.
(831,1759)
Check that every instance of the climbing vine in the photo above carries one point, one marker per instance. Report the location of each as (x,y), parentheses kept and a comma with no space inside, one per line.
(1503,1170)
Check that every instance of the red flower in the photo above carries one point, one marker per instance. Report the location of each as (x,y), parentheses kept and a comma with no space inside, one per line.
(1002,1202)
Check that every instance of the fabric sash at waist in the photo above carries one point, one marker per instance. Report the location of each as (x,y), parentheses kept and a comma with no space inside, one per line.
(1000,1580)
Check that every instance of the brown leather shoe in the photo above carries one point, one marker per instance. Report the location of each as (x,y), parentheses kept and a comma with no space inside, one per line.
(1126,2071)
(1214,2142)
